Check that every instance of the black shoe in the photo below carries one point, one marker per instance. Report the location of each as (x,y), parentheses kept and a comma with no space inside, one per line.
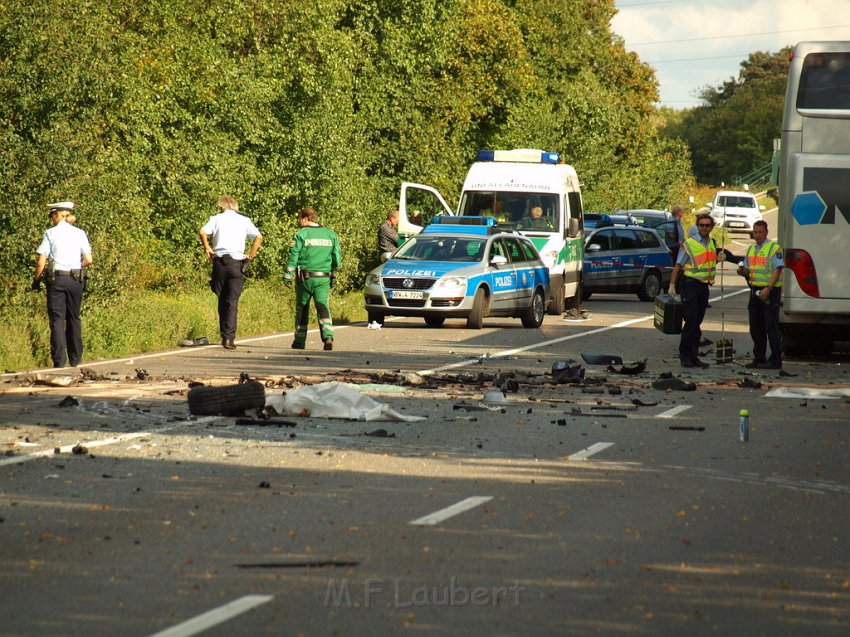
(228,343)
(753,365)
(74,363)
(297,345)
(695,363)
(770,365)
(329,344)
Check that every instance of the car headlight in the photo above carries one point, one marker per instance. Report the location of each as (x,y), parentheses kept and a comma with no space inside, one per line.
(451,282)
(373,279)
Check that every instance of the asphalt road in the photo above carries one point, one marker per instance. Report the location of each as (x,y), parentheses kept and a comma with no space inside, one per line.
(567,510)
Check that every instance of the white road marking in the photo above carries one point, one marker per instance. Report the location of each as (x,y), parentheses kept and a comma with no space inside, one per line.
(444,514)
(675,411)
(91,444)
(214,617)
(595,448)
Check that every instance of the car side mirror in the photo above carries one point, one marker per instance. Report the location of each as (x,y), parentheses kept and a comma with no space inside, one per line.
(594,247)
(385,256)
(498,260)
(572,228)
(710,206)
(762,207)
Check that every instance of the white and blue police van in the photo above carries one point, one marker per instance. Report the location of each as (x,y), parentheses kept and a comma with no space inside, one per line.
(527,190)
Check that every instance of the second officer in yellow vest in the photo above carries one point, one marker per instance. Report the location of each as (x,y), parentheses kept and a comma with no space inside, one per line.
(698,261)
(763,269)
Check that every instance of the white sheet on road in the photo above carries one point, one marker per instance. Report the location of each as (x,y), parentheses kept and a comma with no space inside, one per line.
(809,392)
(334,400)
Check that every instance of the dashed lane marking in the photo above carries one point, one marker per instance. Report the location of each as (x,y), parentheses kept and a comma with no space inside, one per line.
(593,449)
(215,617)
(675,411)
(444,514)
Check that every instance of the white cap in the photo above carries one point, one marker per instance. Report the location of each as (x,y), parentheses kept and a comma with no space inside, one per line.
(61,205)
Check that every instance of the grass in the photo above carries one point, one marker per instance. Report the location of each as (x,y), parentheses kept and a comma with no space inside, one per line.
(154,321)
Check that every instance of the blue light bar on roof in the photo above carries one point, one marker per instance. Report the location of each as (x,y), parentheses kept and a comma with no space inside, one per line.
(459,220)
(525,156)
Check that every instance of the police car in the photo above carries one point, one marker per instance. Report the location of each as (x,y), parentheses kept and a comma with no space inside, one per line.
(627,259)
(461,267)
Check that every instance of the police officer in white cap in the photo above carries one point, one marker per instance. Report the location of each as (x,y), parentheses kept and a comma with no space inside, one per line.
(63,253)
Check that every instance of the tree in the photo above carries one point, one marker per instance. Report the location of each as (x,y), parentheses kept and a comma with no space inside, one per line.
(732,132)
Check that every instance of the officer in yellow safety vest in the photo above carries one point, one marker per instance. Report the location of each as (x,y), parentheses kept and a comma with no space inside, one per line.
(763,269)
(698,261)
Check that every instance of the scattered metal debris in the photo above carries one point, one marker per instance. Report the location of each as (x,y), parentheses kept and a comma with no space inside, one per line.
(674,384)
(601,359)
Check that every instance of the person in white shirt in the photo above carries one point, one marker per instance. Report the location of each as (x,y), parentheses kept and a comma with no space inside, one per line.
(229,230)
(63,253)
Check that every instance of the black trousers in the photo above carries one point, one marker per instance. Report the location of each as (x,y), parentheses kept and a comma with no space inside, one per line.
(64,300)
(226,283)
(694,304)
(764,327)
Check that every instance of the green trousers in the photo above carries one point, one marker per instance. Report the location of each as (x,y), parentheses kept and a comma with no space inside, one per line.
(316,289)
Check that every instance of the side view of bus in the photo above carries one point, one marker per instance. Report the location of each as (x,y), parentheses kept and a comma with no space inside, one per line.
(814,198)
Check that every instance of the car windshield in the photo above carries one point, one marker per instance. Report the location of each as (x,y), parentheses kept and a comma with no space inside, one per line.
(521,210)
(436,248)
(736,202)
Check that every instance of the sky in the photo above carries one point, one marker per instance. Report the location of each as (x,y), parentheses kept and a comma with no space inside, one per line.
(692,44)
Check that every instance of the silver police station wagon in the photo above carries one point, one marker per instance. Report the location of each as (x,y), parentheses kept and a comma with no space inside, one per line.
(461,267)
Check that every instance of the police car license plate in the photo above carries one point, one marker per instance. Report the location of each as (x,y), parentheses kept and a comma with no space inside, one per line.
(737,224)
(406,294)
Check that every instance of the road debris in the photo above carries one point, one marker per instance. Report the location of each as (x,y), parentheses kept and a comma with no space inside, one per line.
(69,401)
(567,372)
(673,383)
(601,359)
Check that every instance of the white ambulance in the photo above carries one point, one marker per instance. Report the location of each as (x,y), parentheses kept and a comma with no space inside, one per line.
(527,190)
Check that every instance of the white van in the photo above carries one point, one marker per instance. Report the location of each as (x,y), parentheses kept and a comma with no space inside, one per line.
(524,189)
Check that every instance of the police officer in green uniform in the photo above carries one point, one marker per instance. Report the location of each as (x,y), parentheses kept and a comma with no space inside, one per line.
(314,257)
(763,269)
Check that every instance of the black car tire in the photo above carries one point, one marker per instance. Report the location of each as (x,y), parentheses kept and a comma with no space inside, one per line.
(435,321)
(533,316)
(374,317)
(585,294)
(650,287)
(559,299)
(231,400)
(479,310)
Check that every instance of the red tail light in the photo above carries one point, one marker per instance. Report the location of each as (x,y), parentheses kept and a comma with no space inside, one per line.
(803,267)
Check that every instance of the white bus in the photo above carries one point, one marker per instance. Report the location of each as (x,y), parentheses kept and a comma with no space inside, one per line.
(814,199)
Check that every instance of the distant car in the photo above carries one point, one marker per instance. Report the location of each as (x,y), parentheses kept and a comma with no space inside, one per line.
(663,222)
(735,210)
(626,259)
(461,267)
